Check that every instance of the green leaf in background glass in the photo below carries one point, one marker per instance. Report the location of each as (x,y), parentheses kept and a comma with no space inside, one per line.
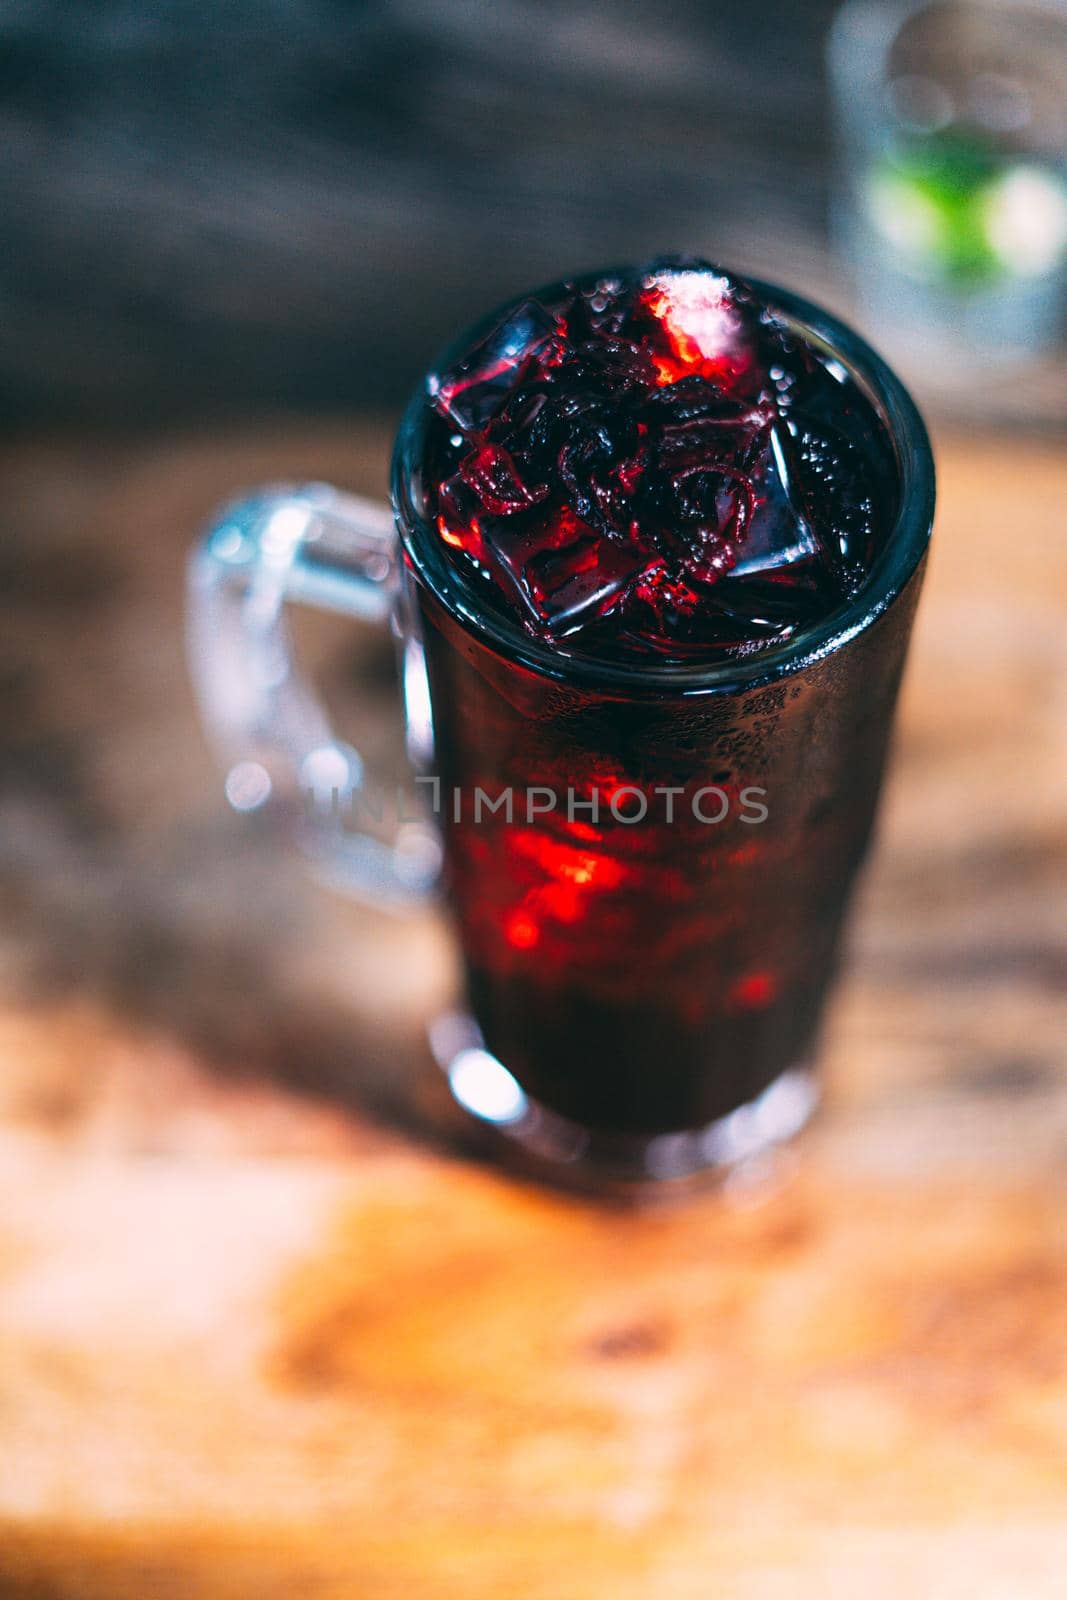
(959,212)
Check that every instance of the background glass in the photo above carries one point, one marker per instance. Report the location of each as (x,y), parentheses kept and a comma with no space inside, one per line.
(952,217)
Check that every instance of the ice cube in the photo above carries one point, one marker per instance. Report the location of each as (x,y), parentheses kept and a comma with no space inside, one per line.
(705,327)
(776,536)
(459,513)
(583,584)
(768,605)
(562,572)
(823,477)
(472,392)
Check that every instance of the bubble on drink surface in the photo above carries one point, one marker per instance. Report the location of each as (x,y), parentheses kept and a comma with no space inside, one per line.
(658,463)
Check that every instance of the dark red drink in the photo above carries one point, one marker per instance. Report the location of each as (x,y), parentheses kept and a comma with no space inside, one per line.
(663,532)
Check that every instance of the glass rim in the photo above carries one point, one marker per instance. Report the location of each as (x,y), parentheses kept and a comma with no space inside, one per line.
(902,552)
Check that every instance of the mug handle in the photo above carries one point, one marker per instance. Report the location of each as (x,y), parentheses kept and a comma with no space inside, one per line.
(312,543)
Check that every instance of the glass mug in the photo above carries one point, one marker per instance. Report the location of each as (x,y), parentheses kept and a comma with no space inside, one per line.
(647,866)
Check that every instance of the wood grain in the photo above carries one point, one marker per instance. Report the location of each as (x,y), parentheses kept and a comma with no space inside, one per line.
(264,1330)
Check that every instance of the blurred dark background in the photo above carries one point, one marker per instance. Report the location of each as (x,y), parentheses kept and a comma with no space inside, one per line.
(252,207)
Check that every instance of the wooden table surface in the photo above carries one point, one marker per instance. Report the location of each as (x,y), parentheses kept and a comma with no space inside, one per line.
(262,1335)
